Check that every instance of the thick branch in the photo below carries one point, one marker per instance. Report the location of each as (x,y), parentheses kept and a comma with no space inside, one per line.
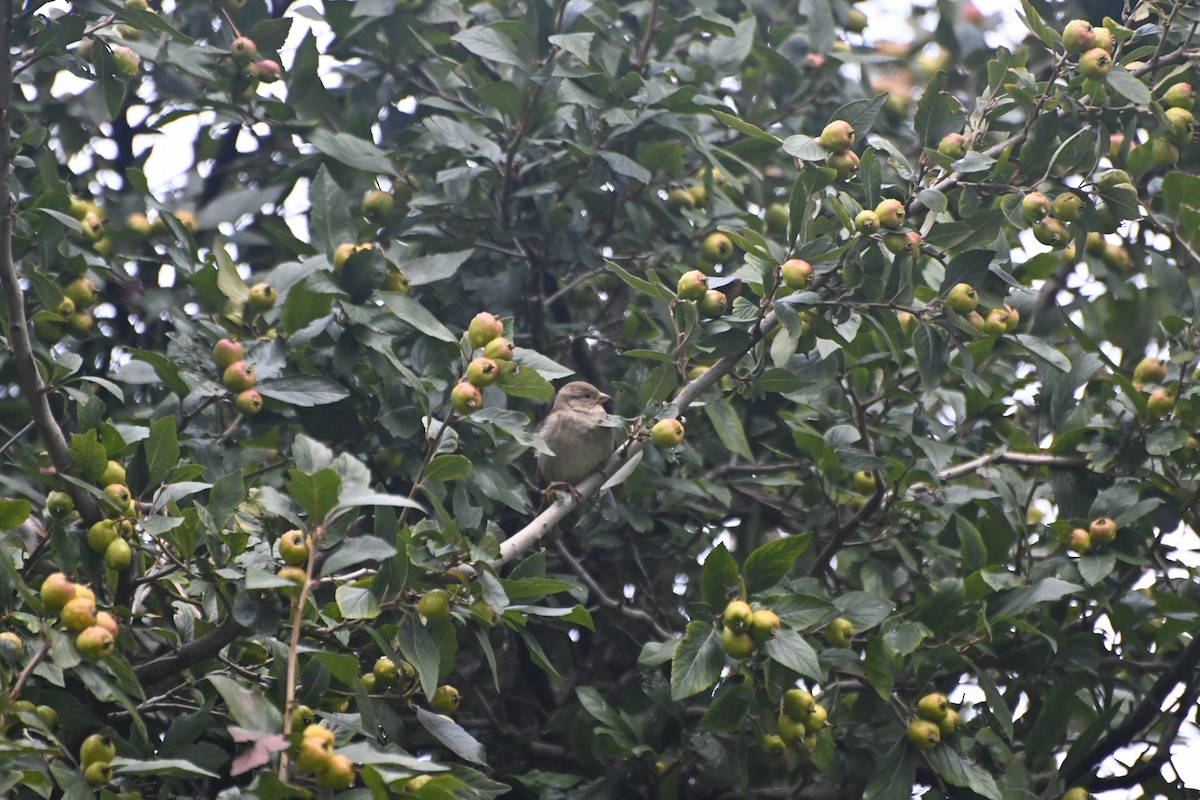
(1184,666)
(32,385)
(193,652)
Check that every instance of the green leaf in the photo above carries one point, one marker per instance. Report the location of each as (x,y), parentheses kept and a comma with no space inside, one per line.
(302,391)
(624,165)
(174,767)
(719,575)
(1047,590)
(863,609)
(883,666)
(491,44)
(728,426)
(525,383)
(448,468)
(13,513)
(792,651)
(892,778)
(356,602)
(1126,84)
(317,494)
(804,148)
(741,126)
(453,736)
(729,709)
(356,550)
(769,563)
(229,280)
(698,660)
(419,649)
(247,704)
(330,217)
(861,114)
(1043,351)
(1096,566)
(89,455)
(938,113)
(958,771)
(416,315)
(932,355)
(642,285)
(351,151)
(162,450)
(438,267)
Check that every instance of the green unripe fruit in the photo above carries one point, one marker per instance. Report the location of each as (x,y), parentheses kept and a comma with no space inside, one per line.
(125,62)
(102,534)
(713,304)
(239,376)
(337,774)
(764,624)
(790,729)
(1078,36)
(243,49)
(314,753)
(47,715)
(482,372)
(667,433)
(248,402)
(1104,39)
(737,615)
(377,204)
(1179,95)
(1035,206)
(95,643)
(816,719)
(962,299)
(1079,541)
(1160,403)
(692,285)
(796,273)
(302,716)
(434,605)
(226,352)
(776,218)
(924,734)
(118,496)
(97,748)
(773,745)
(996,322)
(385,671)
(1150,370)
(396,281)
(1051,232)
(1095,64)
(1076,793)
(953,145)
(262,297)
(59,504)
(867,222)
(1103,530)
(483,328)
(933,706)
(56,591)
(1066,206)
(903,243)
(1163,153)
(465,398)
(737,645)
(679,199)
(445,699)
(1180,124)
(837,136)
(891,213)
(294,548)
(717,248)
(82,292)
(78,613)
(798,704)
(498,349)
(13,640)
(482,612)
(97,774)
(844,163)
(839,632)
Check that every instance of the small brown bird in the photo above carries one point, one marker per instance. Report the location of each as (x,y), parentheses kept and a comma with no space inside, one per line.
(574,430)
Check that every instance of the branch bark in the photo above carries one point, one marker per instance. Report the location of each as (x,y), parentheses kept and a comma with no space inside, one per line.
(30,379)
(193,652)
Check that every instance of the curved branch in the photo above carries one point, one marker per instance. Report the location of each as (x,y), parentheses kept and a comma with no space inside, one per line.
(32,385)
(193,652)
(544,523)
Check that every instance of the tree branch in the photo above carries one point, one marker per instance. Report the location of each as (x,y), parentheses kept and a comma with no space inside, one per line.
(32,385)
(193,652)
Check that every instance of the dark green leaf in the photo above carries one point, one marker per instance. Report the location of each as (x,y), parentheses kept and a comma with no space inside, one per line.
(698,660)
(769,563)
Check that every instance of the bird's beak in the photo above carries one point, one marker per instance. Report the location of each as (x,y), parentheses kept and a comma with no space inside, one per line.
(602,399)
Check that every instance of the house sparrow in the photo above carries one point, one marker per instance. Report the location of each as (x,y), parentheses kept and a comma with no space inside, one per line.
(574,430)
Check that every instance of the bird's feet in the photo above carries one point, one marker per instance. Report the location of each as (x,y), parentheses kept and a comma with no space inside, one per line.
(558,486)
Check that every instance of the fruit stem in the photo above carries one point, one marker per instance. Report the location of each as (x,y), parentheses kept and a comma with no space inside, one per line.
(315,536)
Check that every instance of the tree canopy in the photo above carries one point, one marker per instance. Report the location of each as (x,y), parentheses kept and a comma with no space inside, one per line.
(901,341)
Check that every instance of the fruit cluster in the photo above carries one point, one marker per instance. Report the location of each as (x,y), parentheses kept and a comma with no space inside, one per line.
(696,195)
(72,314)
(838,138)
(107,537)
(237,375)
(800,719)
(316,754)
(963,300)
(95,753)
(693,287)
(76,607)
(294,549)
(387,674)
(1100,532)
(935,720)
(743,628)
(486,332)
(1149,371)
